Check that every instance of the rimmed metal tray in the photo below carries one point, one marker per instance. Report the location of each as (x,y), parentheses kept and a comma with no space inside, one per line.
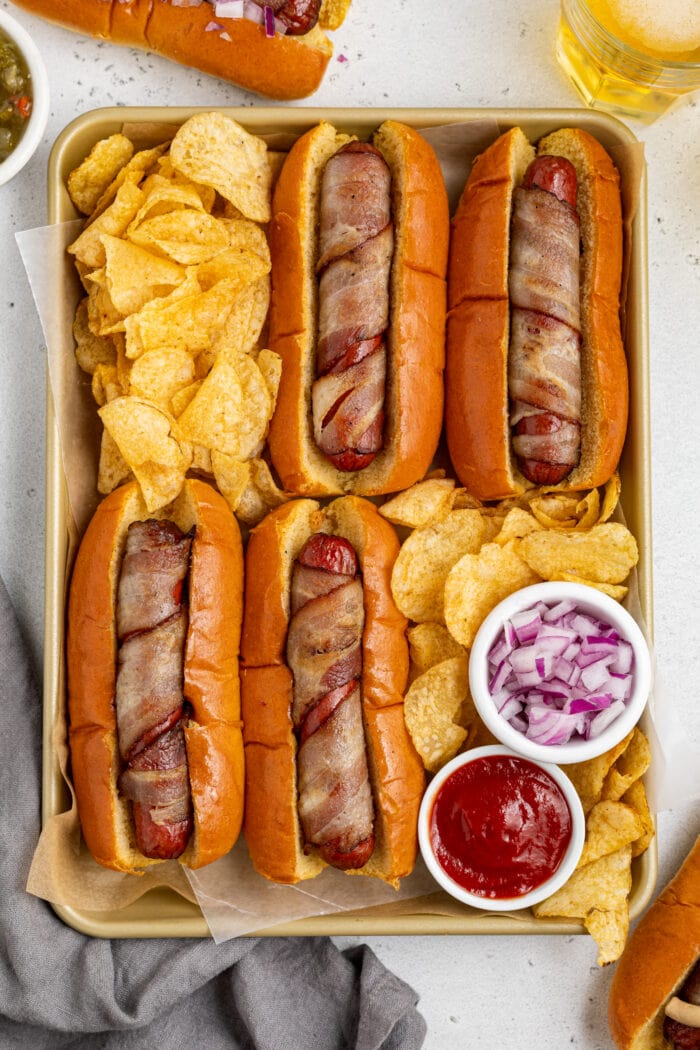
(162,912)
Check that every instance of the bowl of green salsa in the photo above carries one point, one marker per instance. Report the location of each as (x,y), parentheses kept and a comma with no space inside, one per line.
(24,97)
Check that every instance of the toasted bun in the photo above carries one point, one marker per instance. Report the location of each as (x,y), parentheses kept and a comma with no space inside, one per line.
(271,824)
(282,67)
(478,324)
(213,734)
(657,957)
(414,395)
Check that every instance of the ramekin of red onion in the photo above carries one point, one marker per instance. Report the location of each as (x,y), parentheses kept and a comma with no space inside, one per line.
(560,672)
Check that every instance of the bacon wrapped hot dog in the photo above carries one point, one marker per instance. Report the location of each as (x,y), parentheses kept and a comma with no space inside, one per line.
(536,377)
(278,48)
(359,253)
(332,776)
(154,617)
(654,997)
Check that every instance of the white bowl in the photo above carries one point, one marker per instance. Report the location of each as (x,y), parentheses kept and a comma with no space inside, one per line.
(538,893)
(589,600)
(34,131)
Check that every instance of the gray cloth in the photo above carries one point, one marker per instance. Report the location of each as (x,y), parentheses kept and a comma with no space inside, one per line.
(59,988)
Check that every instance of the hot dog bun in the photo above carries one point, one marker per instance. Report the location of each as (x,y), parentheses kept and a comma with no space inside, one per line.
(271,823)
(476,376)
(414,393)
(281,67)
(213,733)
(657,957)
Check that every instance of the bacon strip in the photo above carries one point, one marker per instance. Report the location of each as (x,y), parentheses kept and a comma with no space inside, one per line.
(324,655)
(356,245)
(544,367)
(151,629)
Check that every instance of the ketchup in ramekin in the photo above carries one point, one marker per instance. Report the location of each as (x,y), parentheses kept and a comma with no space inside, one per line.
(500,828)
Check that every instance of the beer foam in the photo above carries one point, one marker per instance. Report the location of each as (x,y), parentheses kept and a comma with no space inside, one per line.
(662,25)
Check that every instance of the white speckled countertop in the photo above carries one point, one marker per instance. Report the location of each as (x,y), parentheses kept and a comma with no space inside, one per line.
(522,992)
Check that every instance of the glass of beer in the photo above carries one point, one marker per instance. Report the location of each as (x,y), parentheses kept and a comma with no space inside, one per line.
(631,57)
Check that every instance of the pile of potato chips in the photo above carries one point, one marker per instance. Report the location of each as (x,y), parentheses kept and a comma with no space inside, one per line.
(619,827)
(176,266)
(458,560)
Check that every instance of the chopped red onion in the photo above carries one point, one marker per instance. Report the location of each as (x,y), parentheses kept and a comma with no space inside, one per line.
(526,624)
(558,674)
(603,719)
(213,27)
(556,613)
(229,8)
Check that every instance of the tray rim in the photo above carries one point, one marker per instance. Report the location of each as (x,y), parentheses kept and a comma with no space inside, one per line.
(128,922)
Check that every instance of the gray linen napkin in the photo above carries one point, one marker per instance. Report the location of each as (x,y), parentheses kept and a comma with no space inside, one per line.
(59,988)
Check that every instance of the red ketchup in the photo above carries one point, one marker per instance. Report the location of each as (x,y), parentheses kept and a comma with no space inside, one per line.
(500,826)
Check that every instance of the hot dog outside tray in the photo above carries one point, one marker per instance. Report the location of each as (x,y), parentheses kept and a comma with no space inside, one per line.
(162,912)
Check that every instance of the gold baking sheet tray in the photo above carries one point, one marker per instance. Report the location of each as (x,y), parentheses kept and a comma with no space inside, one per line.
(162,912)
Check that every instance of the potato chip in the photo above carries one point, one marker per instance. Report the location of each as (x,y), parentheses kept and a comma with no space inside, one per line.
(231,476)
(555,509)
(231,410)
(244,234)
(421,504)
(611,497)
(185,236)
(181,398)
(516,524)
(212,149)
(261,495)
(478,582)
(430,644)
(425,559)
(609,826)
(105,384)
(147,438)
(113,468)
(88,247)
(159,374)
(270,365)
(201,460)
(465,501)
(614,590)
(241,264)
(636,797)
(588,777)
(430,706)
(166,172)
(251,507)
(332,13)
(90,179)
(266,485)
(629,766)
(91,350)
(243,325)
(177,320)
(605,554)
(478,733)
(588,510)
(103,316)
(164,196)
(609,930)
(135,276)
(133,172)
(597,893)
